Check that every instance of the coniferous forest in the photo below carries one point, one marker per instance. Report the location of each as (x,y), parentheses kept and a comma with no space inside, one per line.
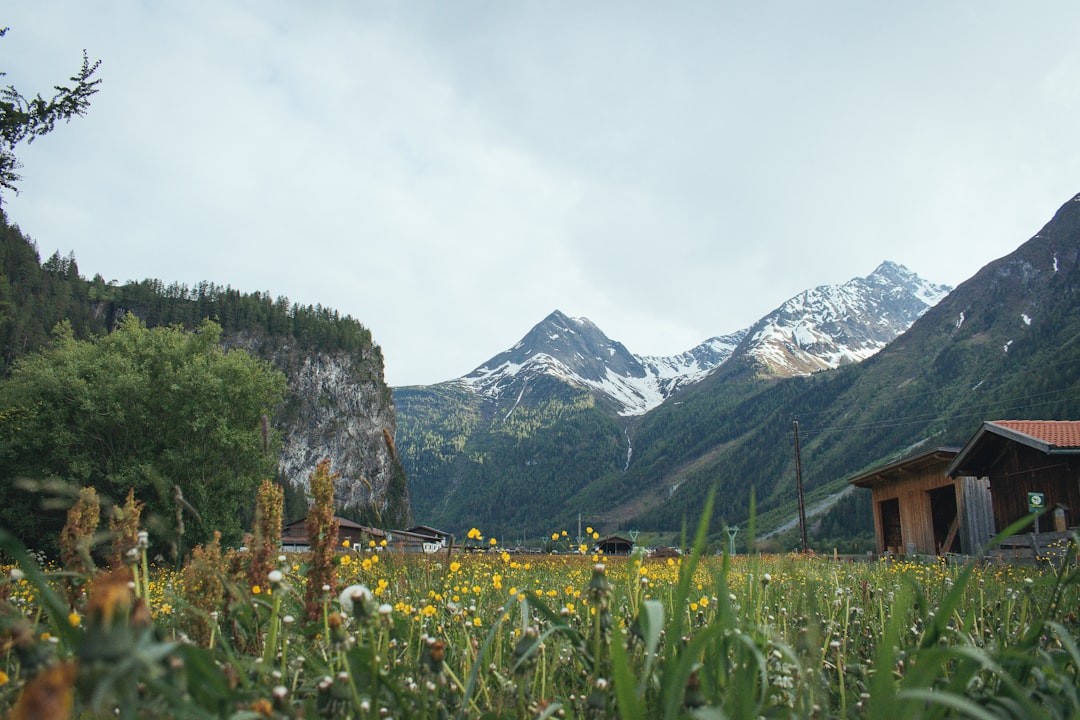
(59,330)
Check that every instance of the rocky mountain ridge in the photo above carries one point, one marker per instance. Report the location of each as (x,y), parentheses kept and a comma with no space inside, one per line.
(567,411)
(833,325)
(821,328)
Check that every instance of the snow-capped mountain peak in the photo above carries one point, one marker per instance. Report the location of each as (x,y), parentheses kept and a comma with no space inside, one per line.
(832,325)
(821,328)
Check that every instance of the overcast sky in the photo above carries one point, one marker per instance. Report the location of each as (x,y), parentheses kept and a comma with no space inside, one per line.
(450,172)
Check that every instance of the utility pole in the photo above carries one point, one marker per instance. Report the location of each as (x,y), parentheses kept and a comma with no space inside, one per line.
(798,483)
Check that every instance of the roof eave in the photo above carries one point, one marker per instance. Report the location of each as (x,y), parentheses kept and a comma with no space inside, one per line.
(956,467)
(872,477)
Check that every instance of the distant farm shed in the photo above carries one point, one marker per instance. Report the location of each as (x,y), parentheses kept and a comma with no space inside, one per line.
(615,545)
(443,536)
(919,508)
(1018,457)
(419,539)
(294,536)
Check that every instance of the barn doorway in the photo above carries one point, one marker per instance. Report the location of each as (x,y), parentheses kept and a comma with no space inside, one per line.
(891,536)
(946,521)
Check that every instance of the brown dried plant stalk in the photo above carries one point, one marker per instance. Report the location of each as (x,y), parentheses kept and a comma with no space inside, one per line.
(266,532)
(204,590)
(322,530)
(124,527)
(76,539)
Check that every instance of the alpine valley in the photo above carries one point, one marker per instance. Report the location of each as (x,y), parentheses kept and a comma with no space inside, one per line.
(570,424)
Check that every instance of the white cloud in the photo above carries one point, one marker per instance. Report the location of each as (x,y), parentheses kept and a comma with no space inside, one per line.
(449,173)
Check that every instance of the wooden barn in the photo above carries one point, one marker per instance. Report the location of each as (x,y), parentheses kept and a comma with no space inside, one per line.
(441,535)
(294,537)
(920,509)
(414,541)
(1018,457)
(615,545)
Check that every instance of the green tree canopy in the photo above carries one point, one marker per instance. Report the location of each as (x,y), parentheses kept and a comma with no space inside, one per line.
(151,409)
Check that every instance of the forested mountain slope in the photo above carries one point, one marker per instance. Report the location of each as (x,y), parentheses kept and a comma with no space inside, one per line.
(338,405)
(1004,344)
(550,427)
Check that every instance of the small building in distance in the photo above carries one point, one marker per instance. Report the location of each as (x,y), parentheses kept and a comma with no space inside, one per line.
(294,536)
(615,545)
(442,536)
(419,539)
(1019,457)
(920,509)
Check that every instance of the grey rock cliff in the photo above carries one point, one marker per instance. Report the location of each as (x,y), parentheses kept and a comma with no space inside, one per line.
(339,407)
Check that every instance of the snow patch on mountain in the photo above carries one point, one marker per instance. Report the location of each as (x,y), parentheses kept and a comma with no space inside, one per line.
(821,328)
(833,325)
(575,351)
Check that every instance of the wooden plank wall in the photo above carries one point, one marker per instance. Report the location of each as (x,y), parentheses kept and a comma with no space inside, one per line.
(1022,470)
(916,520)
(976,514)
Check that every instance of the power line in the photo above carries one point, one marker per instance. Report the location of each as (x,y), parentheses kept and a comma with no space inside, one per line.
(902,421)
(996,376)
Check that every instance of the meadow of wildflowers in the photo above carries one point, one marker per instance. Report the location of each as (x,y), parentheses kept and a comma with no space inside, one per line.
(493,634)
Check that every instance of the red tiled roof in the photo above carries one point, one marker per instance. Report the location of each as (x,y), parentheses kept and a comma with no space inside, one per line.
(1058,433)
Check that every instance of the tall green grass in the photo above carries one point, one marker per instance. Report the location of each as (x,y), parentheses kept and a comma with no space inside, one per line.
(631,638)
